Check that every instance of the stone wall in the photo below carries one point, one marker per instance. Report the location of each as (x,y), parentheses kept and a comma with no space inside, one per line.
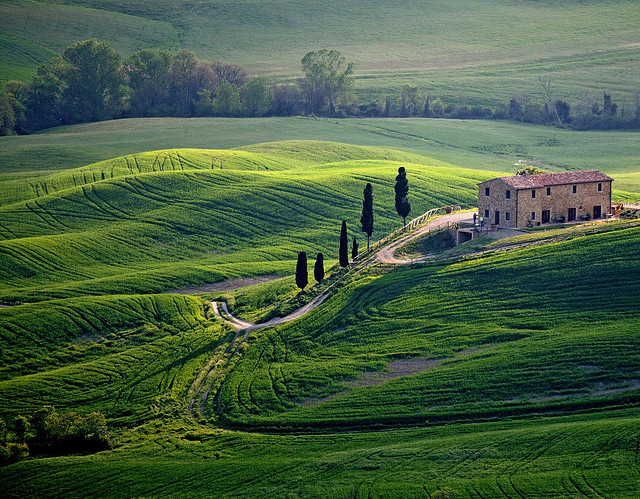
(497,201)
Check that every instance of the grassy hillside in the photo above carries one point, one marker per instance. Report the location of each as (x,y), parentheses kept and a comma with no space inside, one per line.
(549,376)
(481,51)
(574,457)
(166,220)
(484,145)
(530,331)
(513,374)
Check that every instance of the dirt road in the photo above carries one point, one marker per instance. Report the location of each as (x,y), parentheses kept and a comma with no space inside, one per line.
(384,255)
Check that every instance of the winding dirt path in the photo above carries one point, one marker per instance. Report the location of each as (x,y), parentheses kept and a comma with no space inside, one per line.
(387,253)
(208,376)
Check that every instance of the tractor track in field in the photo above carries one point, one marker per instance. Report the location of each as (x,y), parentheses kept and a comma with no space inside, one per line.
(210,374)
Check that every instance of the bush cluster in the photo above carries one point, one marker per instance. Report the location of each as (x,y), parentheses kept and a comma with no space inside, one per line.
(50,432)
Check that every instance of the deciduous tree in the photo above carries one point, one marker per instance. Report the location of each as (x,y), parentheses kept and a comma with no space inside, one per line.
(328,76)
(148,77)
(256,97)
(94,81)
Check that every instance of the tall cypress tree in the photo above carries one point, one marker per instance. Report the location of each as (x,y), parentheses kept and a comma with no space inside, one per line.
(367,213)
(302,275)
(354,248)
(403,207)
(344,250)
(318,270)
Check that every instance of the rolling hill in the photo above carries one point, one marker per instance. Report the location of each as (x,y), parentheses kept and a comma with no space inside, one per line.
(165,220)
(512,373)
(483,52)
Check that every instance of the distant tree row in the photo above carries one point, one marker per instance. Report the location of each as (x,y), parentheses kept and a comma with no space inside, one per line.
(90,81)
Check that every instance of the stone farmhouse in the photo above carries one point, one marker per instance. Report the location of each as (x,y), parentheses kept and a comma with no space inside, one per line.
(530,200)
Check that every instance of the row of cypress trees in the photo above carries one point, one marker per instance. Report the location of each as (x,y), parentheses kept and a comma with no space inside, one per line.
(403,208)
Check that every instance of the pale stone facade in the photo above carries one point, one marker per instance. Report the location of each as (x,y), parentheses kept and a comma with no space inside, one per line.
(529,200)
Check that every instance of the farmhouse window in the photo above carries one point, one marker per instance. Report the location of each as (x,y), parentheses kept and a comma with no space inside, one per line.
(507,215)
(575,189)
(508,194)
(486,191)
(548,191)
(533,215)
(599,187)
(486,213)
(533,194)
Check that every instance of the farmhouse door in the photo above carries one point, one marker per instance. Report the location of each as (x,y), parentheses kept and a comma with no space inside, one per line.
(597,212)
(497,222)
(572,215)
(546,216)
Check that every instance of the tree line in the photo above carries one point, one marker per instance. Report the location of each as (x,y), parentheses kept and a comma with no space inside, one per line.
(90,81)
(403,208)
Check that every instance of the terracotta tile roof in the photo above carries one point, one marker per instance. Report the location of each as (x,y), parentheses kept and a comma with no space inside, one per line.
(548,179)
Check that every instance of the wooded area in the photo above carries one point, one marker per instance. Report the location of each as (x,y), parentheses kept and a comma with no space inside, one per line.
(91,82)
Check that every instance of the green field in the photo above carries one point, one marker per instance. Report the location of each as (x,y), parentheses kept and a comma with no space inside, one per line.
(481,51)
(510,374)
(478,144)
(165,220)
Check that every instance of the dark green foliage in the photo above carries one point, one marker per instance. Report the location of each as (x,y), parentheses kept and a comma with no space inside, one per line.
(366,220)
(403,207)
(343,251)
(328,77)
(318,269)
(302,275)
(68,432)
(13,452)
(148,78)
(354,248)
(21,427)
(256,97)
(94,81)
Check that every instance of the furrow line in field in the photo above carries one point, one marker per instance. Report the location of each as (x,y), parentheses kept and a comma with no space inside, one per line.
(50,213)
(576,486)
(39,215)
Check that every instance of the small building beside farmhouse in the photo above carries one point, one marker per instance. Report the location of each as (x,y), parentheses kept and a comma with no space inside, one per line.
(530,200)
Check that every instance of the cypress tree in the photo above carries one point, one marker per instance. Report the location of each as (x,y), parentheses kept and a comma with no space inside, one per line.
(367,213)
(302,276)
(354,248)
(318,270)
(403,207)
(344,251)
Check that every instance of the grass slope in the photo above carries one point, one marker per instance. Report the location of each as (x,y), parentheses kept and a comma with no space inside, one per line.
(167,220)
(570,457)
(484,145)
(482,51)
(131,357)
(544,329)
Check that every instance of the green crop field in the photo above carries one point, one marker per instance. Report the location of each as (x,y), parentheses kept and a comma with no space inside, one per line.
(483,52)
(478,144)
(499,368)
(510,374)
(169,219)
